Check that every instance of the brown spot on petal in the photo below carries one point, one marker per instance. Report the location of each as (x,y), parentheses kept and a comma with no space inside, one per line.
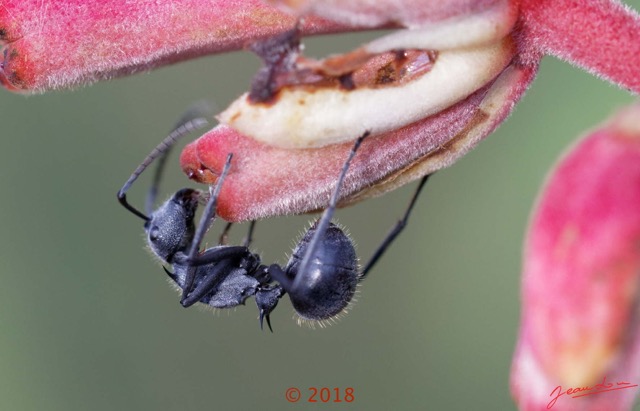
(236,116)
(285,68)
(386,74)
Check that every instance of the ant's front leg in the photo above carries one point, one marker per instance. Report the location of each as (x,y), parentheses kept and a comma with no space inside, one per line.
(208,277)
(205,222)
(213,266)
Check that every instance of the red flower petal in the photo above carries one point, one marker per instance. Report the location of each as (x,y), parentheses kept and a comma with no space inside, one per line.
(54,44)
(602,37)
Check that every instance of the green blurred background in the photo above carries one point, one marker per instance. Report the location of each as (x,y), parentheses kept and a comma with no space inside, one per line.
(87,318)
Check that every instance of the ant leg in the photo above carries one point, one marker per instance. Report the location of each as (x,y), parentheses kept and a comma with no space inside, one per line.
(324,221)
(212,255)
(225,234)
(395,231)
(192,120)
(205,222)
(210,281)
(249,238)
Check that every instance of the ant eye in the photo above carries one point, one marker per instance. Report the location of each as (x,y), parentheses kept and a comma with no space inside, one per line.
(154,233)
(185,196)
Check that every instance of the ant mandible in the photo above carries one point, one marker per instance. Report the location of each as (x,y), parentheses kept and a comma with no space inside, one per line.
(320,277)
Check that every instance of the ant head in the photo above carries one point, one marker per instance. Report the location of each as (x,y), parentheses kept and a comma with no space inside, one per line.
(330,283)
(171,228)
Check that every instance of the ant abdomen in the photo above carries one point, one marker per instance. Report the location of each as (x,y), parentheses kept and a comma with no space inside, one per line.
(331,277)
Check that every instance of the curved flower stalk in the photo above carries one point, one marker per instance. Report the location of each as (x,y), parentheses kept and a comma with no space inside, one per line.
(429,91)
(579,341)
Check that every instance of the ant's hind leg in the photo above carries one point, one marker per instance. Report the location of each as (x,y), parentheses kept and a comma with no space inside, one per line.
(325,220)
(322,273)
(395,231)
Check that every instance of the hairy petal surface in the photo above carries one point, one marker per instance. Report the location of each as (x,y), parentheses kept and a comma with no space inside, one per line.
(600,36)
(55,44)
(411,13)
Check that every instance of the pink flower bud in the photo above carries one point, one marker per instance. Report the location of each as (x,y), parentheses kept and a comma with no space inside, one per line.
(581,278)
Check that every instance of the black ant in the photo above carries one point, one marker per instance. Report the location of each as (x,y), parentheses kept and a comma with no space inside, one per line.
(321,276)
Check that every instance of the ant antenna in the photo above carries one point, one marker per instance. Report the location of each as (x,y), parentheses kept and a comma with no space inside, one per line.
(193,119)
(324,221)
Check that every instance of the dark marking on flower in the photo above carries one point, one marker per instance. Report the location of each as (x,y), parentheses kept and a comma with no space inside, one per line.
(286,70)
(9,77)
(278,55)
(393,70)
(386,74)
(346,81)
(14,80)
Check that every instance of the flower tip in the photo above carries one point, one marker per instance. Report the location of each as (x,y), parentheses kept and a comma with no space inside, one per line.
(192,167)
